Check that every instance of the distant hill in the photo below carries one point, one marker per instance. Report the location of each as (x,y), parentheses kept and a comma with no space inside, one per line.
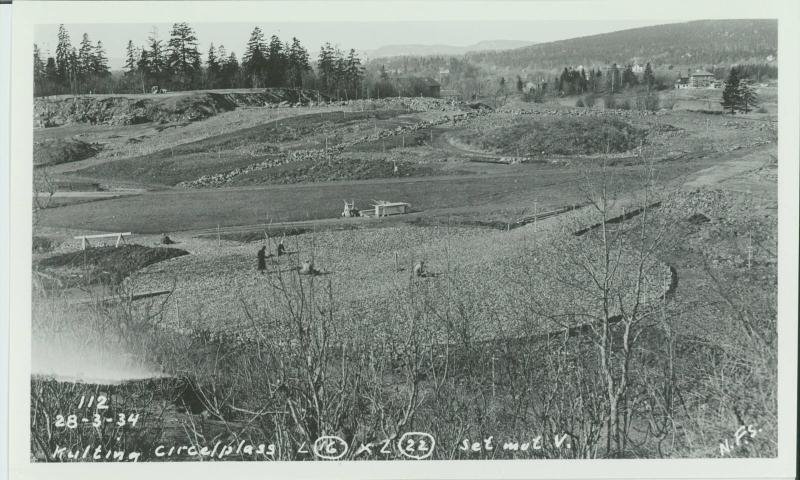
(424,50)
(703,42)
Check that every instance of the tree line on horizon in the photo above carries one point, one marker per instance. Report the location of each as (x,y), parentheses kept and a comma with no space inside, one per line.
(573,81)
(177,64)
(703,42)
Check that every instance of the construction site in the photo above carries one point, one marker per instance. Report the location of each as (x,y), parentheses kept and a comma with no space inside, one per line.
(276,268)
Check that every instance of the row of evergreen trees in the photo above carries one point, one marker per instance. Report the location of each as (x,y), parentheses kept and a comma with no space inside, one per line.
(575,82)
(177,65)
(73,69)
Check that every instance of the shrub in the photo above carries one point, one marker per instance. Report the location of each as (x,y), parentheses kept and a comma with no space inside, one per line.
(580,103)
(668,102)
(609,101)
(42,244)
(647,102)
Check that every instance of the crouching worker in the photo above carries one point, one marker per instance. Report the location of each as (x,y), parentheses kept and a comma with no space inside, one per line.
(419,269)
(307,268)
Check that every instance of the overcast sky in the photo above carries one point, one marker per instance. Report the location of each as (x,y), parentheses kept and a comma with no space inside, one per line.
(361,36)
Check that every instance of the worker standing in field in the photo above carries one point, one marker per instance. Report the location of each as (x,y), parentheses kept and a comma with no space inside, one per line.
(262,259)
(281,248)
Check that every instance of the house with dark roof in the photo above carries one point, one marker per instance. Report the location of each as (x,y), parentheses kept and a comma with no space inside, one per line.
(701,79)
(412,86)
(432,87)
(681,82)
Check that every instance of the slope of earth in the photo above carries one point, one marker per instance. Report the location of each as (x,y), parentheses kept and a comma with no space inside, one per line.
(162,108)
(554,136)
(220,289)
(57,151)
(121,142)
(278,141)
(102,265)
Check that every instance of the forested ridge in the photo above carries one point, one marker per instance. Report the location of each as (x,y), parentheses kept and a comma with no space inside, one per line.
(706,42)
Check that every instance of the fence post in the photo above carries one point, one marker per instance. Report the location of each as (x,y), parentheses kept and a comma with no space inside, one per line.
(493,378)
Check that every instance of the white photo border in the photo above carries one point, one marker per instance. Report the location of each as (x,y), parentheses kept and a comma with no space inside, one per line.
(26,14)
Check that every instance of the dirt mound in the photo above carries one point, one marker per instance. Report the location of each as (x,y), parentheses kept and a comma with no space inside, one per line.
(557,135)
(105,265)
(178,107)
(57,150)
(129,110)
(697,219)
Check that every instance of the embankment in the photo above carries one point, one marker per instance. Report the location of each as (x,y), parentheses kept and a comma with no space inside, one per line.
(178,107)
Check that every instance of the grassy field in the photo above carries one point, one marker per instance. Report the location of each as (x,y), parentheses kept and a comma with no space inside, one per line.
(170,211)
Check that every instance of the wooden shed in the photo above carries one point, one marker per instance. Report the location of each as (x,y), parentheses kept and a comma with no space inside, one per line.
(391,208)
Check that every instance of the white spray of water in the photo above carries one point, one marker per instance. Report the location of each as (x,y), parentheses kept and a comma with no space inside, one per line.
(87,362)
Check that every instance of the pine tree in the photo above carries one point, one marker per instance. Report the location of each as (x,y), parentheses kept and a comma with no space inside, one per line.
(598,80)
(276,63)
(519,84)
(339,73)
(731,95)
(254,60)
(72,70)
(85,57)
(38,70)
(354,73)
(231,71)
(155,63)
(613,83)
(748,96)
(183,58)
(143,67)
(326,67)
(629,78)
(256,43)
(648,78)
(50,69)
(212,67)
(298,63)
(131,56)
(100,61)
(63,49)
(582,80)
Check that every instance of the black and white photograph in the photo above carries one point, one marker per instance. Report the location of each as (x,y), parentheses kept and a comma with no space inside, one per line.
(416,240)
